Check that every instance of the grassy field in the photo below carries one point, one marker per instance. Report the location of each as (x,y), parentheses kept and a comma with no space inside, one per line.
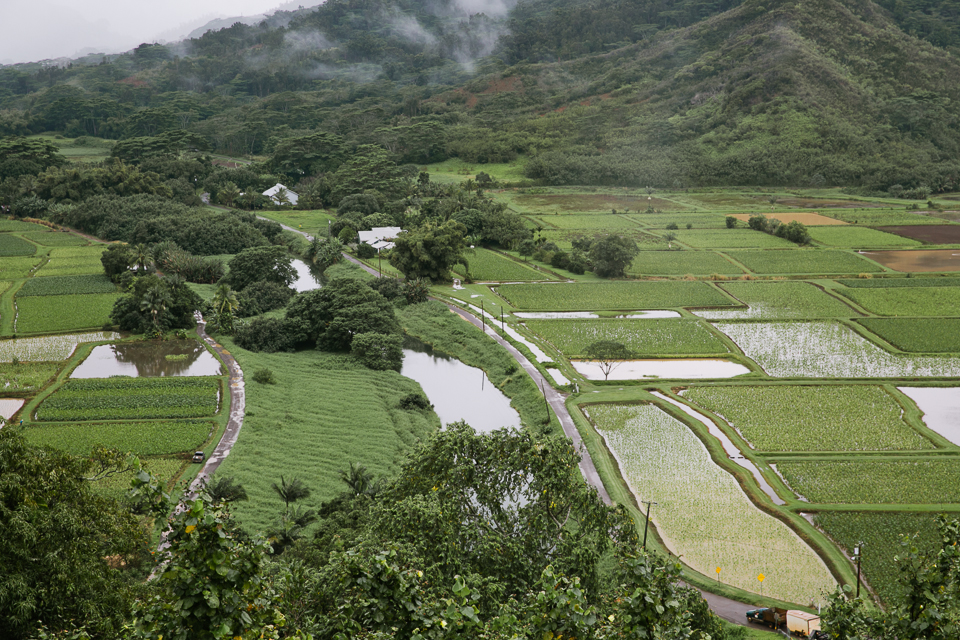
(922,335)
(890,283)
(779,300)
(701,511)
(875,481)
(590,222)
(26,376)
(490,266)
(71,261)
(881,217)
(643,337)
(881,533)
(325,412)
(828,350)
(122,398)
(812,418)
(46,313)
(168,469)
(312,221)
(612,295)
(7,224)
(14,268)
(859,238)
(666,263)
(803,261)
(913,301)
(141,438)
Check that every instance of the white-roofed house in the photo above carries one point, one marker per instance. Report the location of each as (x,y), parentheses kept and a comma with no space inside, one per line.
(380,237)
(275,192)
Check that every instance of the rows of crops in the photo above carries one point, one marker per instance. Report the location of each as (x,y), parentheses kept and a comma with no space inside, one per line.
(66,285)
(55,239)
(132,398)
(701,511)
(141,438)
(779,300)
(117,486)
(70,261)
(806,261)
(828,350)
(730,239)
(812,418)
(859,238)
(662,263)
(921,335)
(914,301)
(11,245)
(897,283)
(581,296)
(49,313)
(643,337)
(915,481)
(14,268)
(489,266)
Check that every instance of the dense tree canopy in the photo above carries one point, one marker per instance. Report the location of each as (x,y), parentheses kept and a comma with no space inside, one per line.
(430,251)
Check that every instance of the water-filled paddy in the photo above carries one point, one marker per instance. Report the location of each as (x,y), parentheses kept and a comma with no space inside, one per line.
(678,369)
(149,359)
(828,350)
(941,409)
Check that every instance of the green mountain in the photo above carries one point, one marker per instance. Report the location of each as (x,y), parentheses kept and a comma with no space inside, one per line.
(606,92)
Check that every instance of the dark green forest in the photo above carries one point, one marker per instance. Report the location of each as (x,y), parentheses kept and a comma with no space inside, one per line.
(606,92)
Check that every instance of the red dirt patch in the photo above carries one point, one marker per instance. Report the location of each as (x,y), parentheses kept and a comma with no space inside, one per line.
(809,219)
(932,260)
(513,83)
(934,234)
(134,81)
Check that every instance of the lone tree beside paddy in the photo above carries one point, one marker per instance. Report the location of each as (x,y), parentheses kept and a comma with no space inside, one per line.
(608,355)
(612,255)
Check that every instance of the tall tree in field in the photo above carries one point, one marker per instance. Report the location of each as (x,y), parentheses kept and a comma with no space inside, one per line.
(430,251)
(612,255)
(608,355)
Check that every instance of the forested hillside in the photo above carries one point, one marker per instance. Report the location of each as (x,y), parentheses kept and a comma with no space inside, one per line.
(606,92)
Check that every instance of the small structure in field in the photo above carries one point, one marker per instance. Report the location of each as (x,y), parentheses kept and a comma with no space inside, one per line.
(380,237)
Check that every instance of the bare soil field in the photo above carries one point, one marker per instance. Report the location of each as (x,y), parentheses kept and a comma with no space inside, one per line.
(922,260)
(809,219)
(934,234)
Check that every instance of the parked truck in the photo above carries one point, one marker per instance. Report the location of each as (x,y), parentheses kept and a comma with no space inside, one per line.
(799,623)
(773,617)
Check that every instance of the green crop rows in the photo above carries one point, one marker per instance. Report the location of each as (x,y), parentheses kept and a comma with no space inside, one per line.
(881,534)
(48,314)
(879,218)
(55,239)
(488,266)
(702,512)
(774,300)
(914,301)
(141,438)
(889,283)
(643,337)
(875,481)
(859,237)
(66,285)
(613,295)
(812,418)
(731,239)
(594,222)
(664,263)
(803,261)
(698,220)
(11,245)
(924,335)
(19,225)
(132,398)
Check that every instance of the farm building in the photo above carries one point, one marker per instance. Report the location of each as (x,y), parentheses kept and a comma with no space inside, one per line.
(274,194)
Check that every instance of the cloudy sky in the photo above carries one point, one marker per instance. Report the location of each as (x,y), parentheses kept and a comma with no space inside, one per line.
(33,30)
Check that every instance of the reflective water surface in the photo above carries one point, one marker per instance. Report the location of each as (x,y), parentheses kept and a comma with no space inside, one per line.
(685,369)
(941,409)
(149,359)
(457,391)
(305,281)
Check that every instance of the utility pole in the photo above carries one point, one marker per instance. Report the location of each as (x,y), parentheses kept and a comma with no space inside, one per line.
(483,325)
(857,553)
(647,524)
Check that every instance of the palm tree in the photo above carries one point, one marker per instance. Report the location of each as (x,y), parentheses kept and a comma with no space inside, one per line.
(141,257)
(225,303)
(155,302)
(290,528)
(291,491)
(357,478)
(226,489)
(282,197)
(229,193)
